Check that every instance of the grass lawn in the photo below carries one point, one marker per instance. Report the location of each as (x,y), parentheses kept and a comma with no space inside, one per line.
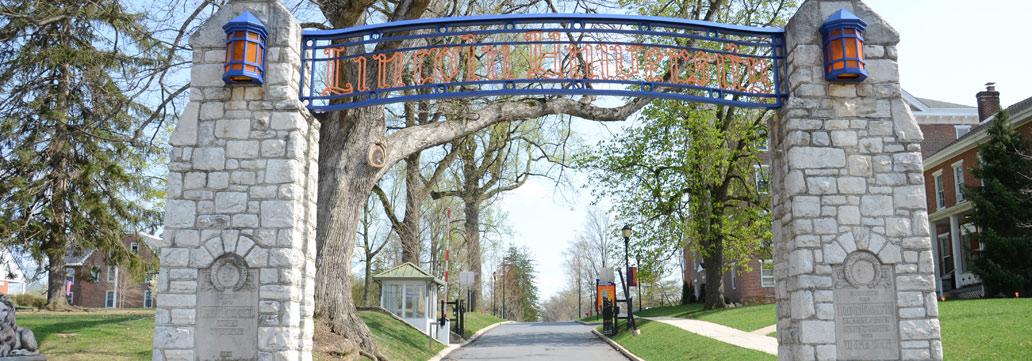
(99,335)
(592,319)
(659,341)
(397,340)
(476,321)
(996,329)
(742,318)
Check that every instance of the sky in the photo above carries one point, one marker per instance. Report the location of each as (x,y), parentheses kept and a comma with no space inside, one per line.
(948,50)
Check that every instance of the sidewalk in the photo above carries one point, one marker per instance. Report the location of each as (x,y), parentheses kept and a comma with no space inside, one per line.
(723,334)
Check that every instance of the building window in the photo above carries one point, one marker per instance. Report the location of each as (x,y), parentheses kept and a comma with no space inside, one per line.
(95,274)
(767,273)
(148,299)
(414,306)
(962,130)
(958,180)
(392,296)
(109,299)
(112,273)
(940,191)
(134,247)
(734,278)
(70,275)
(762,178)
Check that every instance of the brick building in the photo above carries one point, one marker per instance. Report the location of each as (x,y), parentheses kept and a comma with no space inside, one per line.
(93,281)
(947,170)
(942,124)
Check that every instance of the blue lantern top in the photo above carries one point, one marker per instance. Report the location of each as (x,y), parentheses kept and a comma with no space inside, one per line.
(843,18)
(246,22)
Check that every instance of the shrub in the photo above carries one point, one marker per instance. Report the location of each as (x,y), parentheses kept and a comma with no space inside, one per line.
(29,300)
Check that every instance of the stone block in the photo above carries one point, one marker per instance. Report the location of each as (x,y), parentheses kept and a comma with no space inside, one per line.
(812,157)
(209,158)
(180,214)
(817,332)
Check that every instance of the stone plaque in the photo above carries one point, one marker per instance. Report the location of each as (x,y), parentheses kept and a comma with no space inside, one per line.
(866,320)
(227,311)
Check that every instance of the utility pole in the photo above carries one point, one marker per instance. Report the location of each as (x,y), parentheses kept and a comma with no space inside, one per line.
(627,268)
(579,289)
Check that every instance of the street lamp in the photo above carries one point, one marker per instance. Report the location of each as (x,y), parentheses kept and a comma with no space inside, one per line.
(627,272)
(494,293)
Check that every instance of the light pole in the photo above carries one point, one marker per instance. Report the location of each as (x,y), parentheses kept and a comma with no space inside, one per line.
(627,272)
(494,293)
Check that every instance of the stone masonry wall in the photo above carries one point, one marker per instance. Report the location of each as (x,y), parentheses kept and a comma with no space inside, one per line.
(847,179)
(242,180)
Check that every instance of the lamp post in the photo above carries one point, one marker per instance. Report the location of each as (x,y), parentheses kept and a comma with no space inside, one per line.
(494,293)
(627,269)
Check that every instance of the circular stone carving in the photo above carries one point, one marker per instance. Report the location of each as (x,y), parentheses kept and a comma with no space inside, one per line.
(229,272)
(862,269)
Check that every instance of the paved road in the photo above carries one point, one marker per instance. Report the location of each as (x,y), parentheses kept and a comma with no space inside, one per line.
(538,341)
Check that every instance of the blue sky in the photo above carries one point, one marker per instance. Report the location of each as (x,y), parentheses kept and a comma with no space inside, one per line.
(949,49)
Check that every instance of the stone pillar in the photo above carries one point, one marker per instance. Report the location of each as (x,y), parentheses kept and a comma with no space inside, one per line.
(855,277)
(238,251)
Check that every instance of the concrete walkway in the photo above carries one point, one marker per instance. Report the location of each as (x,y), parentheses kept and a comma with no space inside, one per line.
(766,330)
(723,334)
(538,341)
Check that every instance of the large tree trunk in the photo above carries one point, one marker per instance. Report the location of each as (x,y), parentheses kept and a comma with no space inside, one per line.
(345,181)
(471,206)
(714,260)
(56,280)
(409,234)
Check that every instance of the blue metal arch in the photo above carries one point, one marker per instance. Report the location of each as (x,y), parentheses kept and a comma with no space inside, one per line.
(358,44)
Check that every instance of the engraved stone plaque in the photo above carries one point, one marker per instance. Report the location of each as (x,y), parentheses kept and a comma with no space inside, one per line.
(866,320)
(227,311)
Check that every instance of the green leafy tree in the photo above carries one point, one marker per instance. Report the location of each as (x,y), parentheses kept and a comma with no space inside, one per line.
(73,172)
(1003,210)
(686,177)
(521,293)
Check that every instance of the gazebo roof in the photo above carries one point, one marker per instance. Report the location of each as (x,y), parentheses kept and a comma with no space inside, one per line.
(407,271)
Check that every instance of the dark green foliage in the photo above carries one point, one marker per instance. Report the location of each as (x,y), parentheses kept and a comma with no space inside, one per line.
(73,160)
(29,300)
(1003,211)
(522,302)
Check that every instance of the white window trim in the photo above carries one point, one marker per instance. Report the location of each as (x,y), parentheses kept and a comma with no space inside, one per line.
(758,172)
(114,299)
(148,299)
(734,278)
(762,277)
(958,184)
(134,247)
(112,276)
(937,182)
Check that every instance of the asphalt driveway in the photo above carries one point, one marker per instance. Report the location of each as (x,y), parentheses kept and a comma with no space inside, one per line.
(538,341)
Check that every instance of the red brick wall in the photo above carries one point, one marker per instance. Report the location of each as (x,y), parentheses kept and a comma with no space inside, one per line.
(970,158)
(91,293)
(747,286)
(936,137)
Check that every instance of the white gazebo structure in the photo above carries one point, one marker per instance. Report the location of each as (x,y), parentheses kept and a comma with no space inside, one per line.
(410,293)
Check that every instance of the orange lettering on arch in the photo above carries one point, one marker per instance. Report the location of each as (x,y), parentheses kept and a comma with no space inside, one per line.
(389,67)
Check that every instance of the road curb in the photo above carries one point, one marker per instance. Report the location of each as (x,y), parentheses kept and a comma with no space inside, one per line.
(447,350)
(617,346)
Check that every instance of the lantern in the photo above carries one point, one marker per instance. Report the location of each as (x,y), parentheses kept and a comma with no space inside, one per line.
(245,50)
(843,35)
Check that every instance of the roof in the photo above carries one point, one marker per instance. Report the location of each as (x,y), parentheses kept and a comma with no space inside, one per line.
(932,103)
(77,258)
(977,133)
(407,271)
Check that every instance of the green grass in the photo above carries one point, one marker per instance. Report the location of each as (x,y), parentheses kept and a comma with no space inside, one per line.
(742,318)
(591,319)
(476,321)
(396,339)
(659,341)
(670,311)
(996,329)
(102,335)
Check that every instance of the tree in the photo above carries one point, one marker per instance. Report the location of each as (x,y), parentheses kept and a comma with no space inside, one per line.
(489,162)
(1003,210)
(369,248)
(73,163)
(688,173)
(520,293)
